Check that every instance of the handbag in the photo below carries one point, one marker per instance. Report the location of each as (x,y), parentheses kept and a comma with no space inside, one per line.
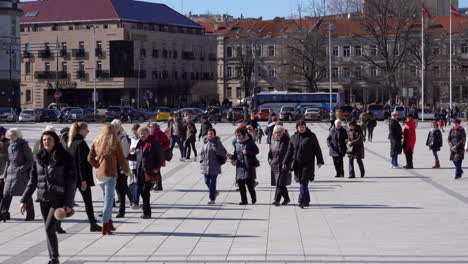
(168,155)
(350,150)
(221,159)
(151,176)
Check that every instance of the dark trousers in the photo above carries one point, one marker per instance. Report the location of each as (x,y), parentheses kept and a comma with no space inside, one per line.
(436,155)
(210,181)
(409,158)
(178,140)
(190,143)
(136,191)
(50,224)
(122,191)
(304,194)
(338,162)
(2,185)
(250,183)
(395,160)
(88,201)
(145,191)
(351,167)
(458,167)
(281,191)
(6,202)
(370,134)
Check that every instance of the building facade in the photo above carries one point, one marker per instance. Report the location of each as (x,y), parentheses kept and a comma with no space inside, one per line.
(10,12)
(134,53)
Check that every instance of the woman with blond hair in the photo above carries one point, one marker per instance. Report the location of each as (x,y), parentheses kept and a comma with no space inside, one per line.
(106,157)
(79,152)
(281,177)
(20,161)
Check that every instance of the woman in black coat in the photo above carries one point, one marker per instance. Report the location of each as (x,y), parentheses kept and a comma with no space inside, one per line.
(395,136)
(356,149)
(245,152)
(337,144)
(434,142)
(79,151)
(53,175)
(303,150)
(282,177)
(149,158)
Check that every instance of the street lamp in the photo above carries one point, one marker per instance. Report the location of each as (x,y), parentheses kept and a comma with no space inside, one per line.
(331,28)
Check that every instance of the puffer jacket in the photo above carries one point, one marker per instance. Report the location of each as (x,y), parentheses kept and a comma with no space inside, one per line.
(457,139)
(209,164)
(54,177)
(18,168)
(245,165)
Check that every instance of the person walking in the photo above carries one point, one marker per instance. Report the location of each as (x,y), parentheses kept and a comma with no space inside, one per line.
(336,141)
(355,149)
(190,138)
(20,161)
(269,129)
(457,141)
(245,152)
(122,181)
(259,133)
(149,158)
(395,135)
(371,124)
(204,126)
(132,164)
(363,120)
(303,151)
(434,142)
(53,175)
(106,156)
(164,143)
(176,131)
(281,176)
(4,143)
(213,156)
(79,152)
(409,141)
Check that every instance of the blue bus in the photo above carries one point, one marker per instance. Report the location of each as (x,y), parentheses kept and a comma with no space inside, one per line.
(300,99)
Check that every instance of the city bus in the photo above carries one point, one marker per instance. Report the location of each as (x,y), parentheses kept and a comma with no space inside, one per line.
(300,99)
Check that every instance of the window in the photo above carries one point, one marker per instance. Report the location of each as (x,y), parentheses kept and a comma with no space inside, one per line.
(335,72)
(174,54)
(346,51)
(436,70)
(358,72)
(81,45)
(229,52)
(27,47)
(259,71)
(412,69)
(105,26)
(238,94)
(81,66)
(99,65)
(346,72)
(70,27)
(373,72)
(464,48)
(335,52)
(47,66)
(258,51)
(238,72)
(239,51)
(142,52)
(271,71)
(436,51)
(28,96)
(27,67)
(454,49)
(229,92)
(64,47)
(155,53)
(229,72)
(271,51)
(373,50)
(99,45)
(64,66)
(357,51)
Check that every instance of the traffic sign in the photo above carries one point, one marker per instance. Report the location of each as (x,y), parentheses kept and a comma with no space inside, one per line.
(56,95)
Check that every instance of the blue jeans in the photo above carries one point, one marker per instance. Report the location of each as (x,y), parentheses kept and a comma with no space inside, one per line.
(136,191)
(395,160)
(210,181)
(108,188)
(304,195)
(458,167)
(178,140)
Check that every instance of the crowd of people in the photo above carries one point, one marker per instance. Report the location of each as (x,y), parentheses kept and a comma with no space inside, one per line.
(61,164)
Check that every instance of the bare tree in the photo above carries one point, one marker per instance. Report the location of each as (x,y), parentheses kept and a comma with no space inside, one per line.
(246,55)
(344,6)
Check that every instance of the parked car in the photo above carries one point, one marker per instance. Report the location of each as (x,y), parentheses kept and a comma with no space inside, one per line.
(377,110)
(214,113)
(163,114)
(29,115)
(115,112)
(8,114)
(401,110)
(47,115)
(428,114)
(263,114)
(238,113)
(315,113)
(286,113)
(77,115)
(347,110)
(196,113)
(60,106)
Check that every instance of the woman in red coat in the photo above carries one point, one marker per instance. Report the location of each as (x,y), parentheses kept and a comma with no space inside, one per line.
(409,140)
(163,140)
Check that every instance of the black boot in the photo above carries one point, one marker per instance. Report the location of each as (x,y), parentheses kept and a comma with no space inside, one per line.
(95,228)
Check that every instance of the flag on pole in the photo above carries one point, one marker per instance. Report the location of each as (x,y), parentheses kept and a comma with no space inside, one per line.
(425,12)
(454,11)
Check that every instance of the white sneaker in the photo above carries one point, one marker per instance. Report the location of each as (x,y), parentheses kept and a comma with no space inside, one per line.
(182,159)
(135,206)
(211,202)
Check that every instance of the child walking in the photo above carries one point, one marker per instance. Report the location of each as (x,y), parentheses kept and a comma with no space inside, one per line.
(434,142)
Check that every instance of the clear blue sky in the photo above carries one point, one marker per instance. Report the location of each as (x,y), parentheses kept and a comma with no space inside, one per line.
(268,9)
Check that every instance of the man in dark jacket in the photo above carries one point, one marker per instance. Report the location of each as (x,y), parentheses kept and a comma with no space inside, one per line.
(457,140)
(337,144)
(177,133)
(304,149)
(205,125)
(271,115)
(395,135)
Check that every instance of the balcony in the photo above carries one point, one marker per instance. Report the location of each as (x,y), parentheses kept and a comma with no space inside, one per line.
(99,52)
(45,54)
(102,74)
(79,53)
(81,75)
(27,54)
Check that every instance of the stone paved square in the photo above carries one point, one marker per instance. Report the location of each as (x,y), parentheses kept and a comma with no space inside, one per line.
(390,216)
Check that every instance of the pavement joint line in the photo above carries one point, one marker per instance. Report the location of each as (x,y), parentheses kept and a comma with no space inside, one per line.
(268,228)
(298,224)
